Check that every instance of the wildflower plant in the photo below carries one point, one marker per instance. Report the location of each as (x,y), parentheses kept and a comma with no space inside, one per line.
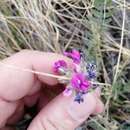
(80,76)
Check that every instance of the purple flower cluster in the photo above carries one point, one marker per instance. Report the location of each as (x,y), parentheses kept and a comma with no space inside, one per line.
(79,80)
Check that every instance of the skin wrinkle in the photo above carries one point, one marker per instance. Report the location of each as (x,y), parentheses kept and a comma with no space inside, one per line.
(35,79)
(68,122)
(21,84)
(7,96)
(52,123)
(37,84)
(59,120)
(42,124)
(11,108)
(34,61)
(39,125)
(7,101)
(80,117)
(61,125)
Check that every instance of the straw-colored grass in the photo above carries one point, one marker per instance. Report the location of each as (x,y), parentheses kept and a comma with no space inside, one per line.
(100,28)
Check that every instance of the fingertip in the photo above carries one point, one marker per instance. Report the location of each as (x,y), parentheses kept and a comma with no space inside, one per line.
(25,68)
(66,112)
(45,62)
(17,115)
(99,107)
(82,111)
(6,110)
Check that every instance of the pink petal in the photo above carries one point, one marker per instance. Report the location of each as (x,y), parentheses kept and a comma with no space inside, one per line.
(67,92)
(77,68)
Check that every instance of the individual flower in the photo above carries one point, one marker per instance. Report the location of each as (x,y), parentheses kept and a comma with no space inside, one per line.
(67,92)
(74,55)
(91,71)
(79,82)
(79,97)
(91,66)
(60,66)
(91,74)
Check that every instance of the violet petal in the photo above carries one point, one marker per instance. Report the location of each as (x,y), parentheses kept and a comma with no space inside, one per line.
(67,92)
(80,82)
(59,64)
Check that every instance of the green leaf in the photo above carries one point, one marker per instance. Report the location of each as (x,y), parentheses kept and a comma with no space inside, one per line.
(102,2)
(95,125)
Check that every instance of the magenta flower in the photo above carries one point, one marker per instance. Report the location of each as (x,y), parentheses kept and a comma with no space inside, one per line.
(78,77)
(79,82)
(60,64)
(75,55)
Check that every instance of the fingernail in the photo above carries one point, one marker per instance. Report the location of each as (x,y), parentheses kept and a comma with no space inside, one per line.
(81,112)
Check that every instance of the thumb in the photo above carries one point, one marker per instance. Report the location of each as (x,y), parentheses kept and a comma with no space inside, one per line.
(64,114)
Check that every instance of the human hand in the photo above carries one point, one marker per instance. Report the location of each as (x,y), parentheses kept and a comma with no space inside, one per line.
(20,88)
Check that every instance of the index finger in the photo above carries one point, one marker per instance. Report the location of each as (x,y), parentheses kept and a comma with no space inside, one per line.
(15,84)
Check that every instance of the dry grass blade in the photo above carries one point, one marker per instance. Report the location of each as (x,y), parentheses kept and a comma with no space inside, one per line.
(99,28)
(121,44)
